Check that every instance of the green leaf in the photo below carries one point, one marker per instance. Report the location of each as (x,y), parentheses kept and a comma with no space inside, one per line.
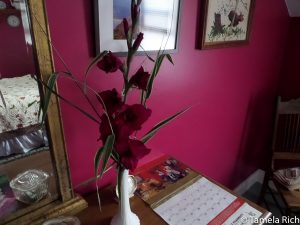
(94,61)
(169,57)
(48,92)
(115,156)
(107,151)
(148,56)
(155,71)
(52,91)
(161,124)
(97,160)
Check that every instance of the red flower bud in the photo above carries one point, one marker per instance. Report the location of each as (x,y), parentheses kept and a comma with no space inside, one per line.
(135,11)
(126,27)
(138,41)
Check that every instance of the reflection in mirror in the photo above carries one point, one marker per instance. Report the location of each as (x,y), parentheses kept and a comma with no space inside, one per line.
(16,56)
(20,131)
(23,140)
(20,128)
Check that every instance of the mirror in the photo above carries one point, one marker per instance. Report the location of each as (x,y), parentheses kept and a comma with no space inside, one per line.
(27,147)
(20,129)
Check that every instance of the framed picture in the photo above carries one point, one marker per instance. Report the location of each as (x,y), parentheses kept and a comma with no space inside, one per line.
(158,22)
(225,23)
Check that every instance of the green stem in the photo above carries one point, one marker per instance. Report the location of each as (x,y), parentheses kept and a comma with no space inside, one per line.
(142,96)
(69,102)
(63,62)
(125,98)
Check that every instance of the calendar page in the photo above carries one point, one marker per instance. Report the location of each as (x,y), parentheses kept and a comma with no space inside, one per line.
(204,202)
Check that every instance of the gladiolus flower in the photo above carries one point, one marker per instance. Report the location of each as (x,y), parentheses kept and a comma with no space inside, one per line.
(133,116)
(110,63)
(104,128)
(136,150)
(112,100)
(140,79)
(122,133)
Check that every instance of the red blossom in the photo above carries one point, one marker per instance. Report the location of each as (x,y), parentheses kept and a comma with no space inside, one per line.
(112,100)
(104,128)
(122,137)
(133,116)
(140,79)
(110,63)
(121,132)
(124,123)
(136,150)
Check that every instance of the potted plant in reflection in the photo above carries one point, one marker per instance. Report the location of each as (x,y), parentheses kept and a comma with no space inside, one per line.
(120,121)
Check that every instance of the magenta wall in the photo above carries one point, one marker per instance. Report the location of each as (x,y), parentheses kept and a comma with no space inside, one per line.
(16,57)
(226,134)
(290,78)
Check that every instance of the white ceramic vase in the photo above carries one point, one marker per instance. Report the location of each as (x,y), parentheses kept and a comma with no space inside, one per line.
(124,215)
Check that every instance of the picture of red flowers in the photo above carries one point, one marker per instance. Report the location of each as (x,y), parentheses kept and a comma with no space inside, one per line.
(225,23)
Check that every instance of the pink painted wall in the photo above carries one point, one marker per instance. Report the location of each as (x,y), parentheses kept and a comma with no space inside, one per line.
(290,78)
(16,57)
(226,134)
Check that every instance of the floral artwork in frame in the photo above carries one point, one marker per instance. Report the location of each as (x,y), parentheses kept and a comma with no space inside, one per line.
(225,23)
(159,23)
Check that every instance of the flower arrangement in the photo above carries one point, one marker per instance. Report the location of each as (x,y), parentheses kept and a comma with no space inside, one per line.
(120,121)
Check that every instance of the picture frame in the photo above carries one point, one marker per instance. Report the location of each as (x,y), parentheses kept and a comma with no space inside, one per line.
(159,21)
(224,23)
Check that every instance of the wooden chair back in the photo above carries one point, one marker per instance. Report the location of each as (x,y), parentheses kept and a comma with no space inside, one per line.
(286,138)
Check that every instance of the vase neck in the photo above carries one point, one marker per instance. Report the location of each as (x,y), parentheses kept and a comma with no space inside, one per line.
(124,201)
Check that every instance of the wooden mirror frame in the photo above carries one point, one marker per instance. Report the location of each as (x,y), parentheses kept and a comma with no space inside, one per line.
(67,203)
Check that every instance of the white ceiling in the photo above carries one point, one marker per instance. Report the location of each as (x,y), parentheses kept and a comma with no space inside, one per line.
(293,7)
